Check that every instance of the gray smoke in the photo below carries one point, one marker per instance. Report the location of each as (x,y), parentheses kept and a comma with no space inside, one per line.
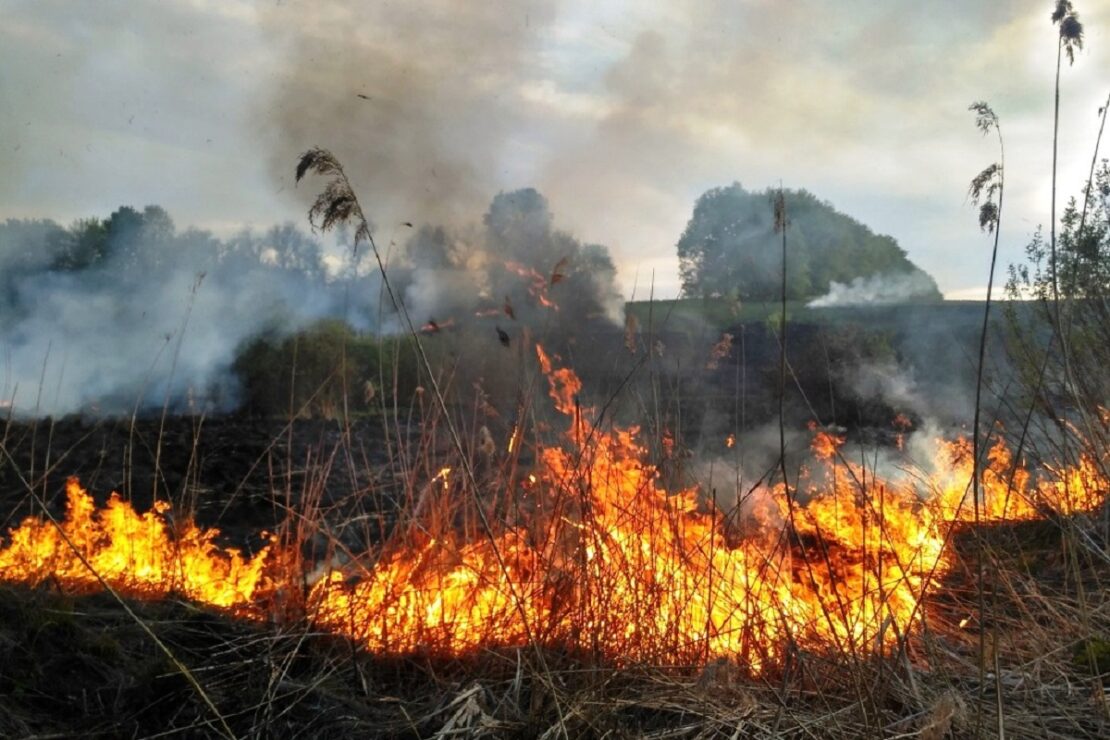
(886,381)
(416,99)
(109,316)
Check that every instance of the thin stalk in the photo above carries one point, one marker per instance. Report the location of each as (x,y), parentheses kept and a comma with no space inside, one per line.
(1052,217)
(977,440)
(348,200)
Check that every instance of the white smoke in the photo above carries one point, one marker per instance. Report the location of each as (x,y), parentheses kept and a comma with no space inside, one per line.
(146,316)
(887,381)
(159,320)
(877,290)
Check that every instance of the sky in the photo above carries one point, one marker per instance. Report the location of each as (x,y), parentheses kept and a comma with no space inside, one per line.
(622,113)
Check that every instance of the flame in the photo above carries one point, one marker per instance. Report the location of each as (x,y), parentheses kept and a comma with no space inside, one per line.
(432,326)
(825,445)
(537,283)
(606,560)
(135,554)
(443,475)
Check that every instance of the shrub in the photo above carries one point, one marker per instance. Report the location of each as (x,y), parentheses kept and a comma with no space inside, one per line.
(325,370)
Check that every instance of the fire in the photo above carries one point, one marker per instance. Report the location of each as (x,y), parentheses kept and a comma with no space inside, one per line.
(603,560)
(825,445)
(537,283)
(443,475)
(134,554)
(432,326)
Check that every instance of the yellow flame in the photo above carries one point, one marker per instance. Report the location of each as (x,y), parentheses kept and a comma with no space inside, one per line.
(443,475)
(605,559)
(134,553)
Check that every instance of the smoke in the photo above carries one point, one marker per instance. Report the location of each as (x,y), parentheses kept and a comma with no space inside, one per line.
(886,381)
(877,290)
(418,100)
(907,386)
(127,313)
(430,109)
(515,267)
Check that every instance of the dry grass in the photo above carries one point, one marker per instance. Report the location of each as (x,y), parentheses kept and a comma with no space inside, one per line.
(78,665)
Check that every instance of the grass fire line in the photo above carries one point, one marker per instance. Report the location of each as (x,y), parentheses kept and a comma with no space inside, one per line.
(602,559)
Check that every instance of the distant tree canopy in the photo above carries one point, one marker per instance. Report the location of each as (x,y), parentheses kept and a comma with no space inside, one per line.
(133,246)
(134,241)
(1083,250)
(729,248)
(518,258)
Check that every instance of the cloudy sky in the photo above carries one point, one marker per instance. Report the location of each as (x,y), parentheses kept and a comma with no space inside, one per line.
(621,112)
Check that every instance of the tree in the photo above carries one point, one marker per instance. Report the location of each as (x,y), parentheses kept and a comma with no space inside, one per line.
(1070,388)
(729,248)
(288,248)
(26,247)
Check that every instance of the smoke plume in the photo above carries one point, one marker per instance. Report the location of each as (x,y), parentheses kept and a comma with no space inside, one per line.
(515,267)
(879,290)
(127,313)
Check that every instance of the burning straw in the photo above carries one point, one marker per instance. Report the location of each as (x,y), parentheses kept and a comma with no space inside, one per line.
(595,559)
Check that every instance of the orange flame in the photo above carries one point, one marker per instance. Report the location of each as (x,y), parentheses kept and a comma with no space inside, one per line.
(133,553)
(606,561)
(826,444)
(537,283)
(432,326)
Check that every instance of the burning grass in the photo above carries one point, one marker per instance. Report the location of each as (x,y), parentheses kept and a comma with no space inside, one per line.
(846,584)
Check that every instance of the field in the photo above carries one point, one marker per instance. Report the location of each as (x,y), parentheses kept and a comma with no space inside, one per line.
(420,471)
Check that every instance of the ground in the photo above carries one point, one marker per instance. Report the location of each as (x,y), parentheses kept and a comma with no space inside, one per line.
(86,665)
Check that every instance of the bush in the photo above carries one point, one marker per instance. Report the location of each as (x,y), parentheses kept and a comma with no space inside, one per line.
(325,370)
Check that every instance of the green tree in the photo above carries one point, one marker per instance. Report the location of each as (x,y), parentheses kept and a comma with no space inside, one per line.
(729,248)
(1068,296)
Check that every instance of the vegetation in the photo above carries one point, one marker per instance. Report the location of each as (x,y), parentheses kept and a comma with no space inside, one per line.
(326,370)
(1066,279)
(131,246)
(1062,354)
(729,248)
